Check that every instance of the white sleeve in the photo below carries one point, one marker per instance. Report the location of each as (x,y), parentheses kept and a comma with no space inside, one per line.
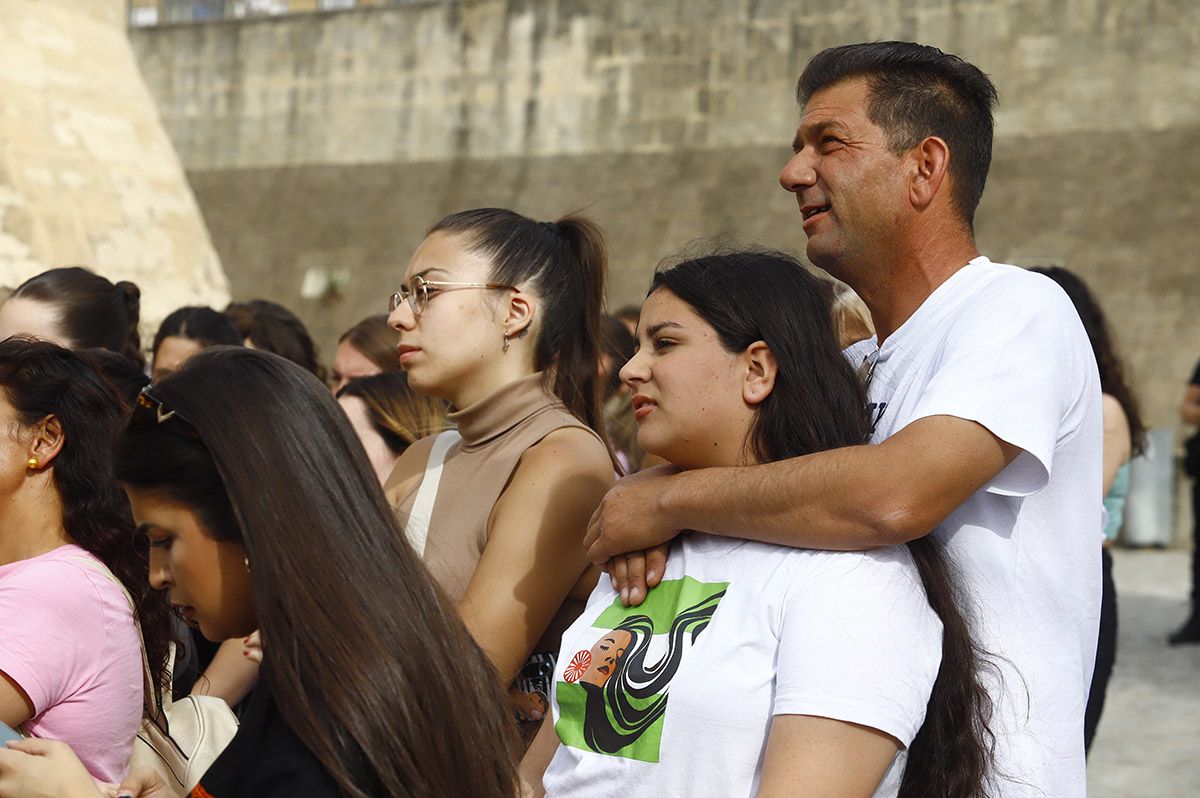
(1019,366)
(859,643)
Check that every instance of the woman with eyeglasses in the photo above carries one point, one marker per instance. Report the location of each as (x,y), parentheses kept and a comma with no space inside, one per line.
(371,685)
(500,316)
(754,669)
(70,661)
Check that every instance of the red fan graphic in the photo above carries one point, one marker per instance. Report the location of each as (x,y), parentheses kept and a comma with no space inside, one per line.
(579,665)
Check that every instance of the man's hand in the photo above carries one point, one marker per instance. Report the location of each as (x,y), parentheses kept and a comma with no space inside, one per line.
(44,769)
(628,536)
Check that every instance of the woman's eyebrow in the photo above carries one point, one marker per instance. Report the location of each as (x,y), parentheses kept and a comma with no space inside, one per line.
(655,329)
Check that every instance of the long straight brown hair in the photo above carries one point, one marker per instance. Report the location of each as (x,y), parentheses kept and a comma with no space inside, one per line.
(370,665)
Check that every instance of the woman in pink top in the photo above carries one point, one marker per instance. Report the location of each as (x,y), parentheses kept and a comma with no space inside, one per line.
(70,664)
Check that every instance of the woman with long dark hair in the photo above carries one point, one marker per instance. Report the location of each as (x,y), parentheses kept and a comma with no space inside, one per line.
(371,686)
(500,316)
(70,667)
(751,666)
(1124,438)
(78,309)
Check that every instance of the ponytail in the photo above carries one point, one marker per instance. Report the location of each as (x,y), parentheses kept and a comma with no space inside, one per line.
(565,262)
(130,297)
(93,313)
(573,346)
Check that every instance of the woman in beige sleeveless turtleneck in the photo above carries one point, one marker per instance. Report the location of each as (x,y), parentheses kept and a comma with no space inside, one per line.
(500,316)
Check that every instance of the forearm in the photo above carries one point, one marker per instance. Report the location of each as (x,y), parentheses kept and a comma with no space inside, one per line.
(824,501)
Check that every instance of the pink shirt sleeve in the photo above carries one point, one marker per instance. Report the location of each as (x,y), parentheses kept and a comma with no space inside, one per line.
(71,643)
(53,626)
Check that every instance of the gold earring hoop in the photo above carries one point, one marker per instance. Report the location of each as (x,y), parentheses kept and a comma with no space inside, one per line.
(34,463)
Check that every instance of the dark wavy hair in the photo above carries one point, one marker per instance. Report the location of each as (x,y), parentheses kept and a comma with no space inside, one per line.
(94,313)
(271,327)
(197,323)
(41,380)
(565,262)
(918,91)
(340,597)
(818,404)
(1112,371)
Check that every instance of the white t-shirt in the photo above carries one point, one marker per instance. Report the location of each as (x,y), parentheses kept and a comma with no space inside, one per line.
(1004,347)
(736,633)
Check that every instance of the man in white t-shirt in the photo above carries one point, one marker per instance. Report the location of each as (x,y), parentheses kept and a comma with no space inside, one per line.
(983,391)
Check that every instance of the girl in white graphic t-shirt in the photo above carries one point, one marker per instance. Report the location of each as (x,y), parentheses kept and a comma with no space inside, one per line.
(757,669)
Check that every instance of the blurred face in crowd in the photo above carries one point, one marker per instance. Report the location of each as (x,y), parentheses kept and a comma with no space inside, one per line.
(350,364)
(206,580)
(450,348)
(380,456)
(172,353)
(19,316)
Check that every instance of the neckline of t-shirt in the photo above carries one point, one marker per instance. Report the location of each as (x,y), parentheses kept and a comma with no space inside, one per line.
(928,307)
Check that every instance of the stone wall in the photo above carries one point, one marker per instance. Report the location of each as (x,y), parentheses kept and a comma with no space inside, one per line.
(87,174)
(323,143)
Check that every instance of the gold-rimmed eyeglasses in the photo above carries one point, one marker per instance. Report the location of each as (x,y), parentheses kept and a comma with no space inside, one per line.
(418,291)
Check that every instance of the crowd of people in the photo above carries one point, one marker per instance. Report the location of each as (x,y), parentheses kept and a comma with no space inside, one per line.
(757,537)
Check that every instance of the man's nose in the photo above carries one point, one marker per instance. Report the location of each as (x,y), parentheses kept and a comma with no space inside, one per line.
(798,172)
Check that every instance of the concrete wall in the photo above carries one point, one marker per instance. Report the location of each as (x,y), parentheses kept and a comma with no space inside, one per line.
(331,141)
(87,173)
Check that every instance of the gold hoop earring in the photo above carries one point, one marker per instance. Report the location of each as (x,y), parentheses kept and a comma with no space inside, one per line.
(34,463)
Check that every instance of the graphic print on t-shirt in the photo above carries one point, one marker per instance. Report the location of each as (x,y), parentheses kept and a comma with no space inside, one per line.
(612,697)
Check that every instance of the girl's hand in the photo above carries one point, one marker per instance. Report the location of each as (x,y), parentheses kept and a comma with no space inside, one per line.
(36,768)
(143,783)
(252,647)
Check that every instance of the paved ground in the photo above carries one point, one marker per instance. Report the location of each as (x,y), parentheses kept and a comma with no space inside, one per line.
(1148,742)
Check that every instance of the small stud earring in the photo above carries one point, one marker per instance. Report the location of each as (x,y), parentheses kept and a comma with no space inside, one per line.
(33,463)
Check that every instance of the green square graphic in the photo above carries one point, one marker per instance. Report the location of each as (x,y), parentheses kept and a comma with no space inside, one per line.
(597,711)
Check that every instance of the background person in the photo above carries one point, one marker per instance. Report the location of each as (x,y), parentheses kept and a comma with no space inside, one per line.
(78,309)
(271,327)
(1189,413)
(70,659)
(366,349)
(1124,438)
(388,417)
(186,331)
(500,316)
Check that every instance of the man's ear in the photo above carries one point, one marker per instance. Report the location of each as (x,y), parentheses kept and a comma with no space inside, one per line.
(931,161)
(47,440)
(761,369)
(520,314)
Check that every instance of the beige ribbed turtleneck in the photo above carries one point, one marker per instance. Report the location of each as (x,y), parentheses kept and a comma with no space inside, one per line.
(496,431)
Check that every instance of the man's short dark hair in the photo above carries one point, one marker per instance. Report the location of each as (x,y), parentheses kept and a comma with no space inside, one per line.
(918,91)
